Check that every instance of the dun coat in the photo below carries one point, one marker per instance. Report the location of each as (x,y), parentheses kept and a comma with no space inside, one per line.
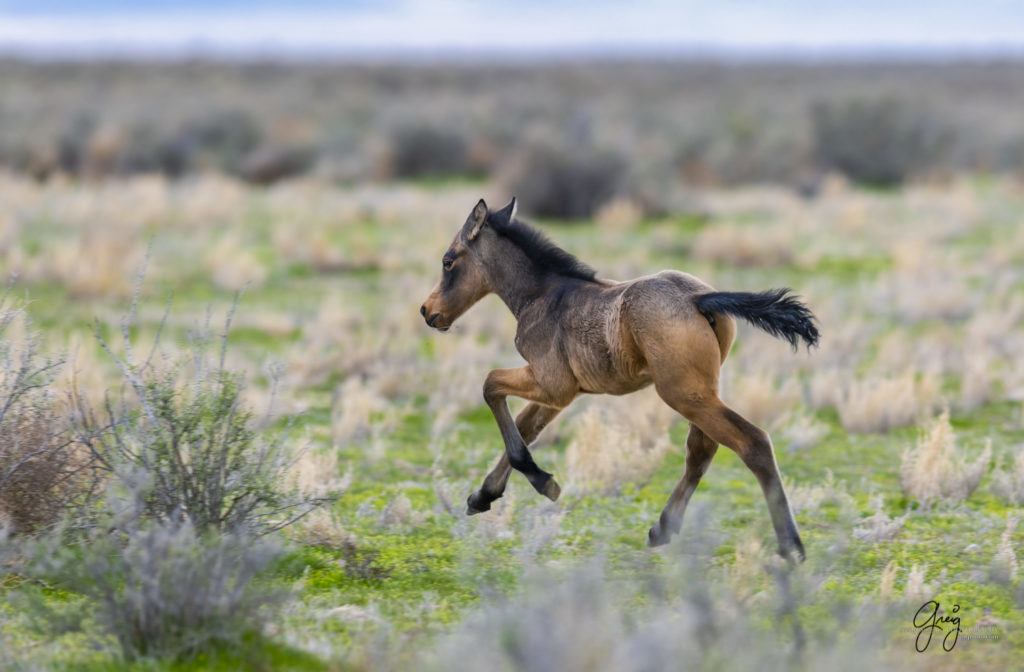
(585,335)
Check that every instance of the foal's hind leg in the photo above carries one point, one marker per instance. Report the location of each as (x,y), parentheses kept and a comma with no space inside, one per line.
(700,450)
(530,422)
(729,428)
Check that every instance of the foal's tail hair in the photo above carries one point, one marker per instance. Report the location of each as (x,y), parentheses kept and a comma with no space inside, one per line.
(775,310)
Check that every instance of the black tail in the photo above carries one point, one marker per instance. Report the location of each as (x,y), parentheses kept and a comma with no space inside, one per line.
(776,311)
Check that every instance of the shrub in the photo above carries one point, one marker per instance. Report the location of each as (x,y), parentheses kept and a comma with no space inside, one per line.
(563,182)
(41,470)
(163,589)
(185,432)
(428,151)
(878,141)
(740,146)
(218,139)
(270,164)
(582,619)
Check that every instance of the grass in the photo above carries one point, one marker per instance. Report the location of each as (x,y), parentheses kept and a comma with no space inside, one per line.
(412,576)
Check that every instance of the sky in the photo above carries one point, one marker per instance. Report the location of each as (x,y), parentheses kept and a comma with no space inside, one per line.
(510,27)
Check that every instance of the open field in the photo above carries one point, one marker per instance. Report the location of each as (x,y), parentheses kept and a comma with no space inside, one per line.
(920,295)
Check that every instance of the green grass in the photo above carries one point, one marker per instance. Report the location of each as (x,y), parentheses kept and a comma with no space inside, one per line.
(417,578)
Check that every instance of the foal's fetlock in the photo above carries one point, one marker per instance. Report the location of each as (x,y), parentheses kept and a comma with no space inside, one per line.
(478,502)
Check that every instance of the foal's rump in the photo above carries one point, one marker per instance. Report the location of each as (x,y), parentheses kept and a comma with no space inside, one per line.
(676,318)
(662,317)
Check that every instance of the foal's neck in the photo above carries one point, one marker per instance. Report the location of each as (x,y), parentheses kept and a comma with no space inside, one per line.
(515,279)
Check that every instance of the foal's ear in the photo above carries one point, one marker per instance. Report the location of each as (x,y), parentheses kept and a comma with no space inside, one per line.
(509,210)
(476,220)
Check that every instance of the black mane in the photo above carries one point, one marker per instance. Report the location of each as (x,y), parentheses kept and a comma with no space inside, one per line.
(540,250)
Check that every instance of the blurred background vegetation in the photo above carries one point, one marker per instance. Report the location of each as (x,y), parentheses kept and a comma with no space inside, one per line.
(586,131)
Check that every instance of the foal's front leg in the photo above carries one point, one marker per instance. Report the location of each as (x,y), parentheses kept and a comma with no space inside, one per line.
(500,384)
(530,422)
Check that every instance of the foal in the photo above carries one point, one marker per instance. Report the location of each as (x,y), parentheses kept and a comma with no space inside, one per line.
(580,334)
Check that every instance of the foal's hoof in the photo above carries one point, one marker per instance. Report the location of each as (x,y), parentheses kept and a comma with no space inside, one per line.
(551,490)
(476,503)
(656,537)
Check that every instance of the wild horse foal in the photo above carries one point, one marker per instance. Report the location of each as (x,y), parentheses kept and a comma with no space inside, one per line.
(580,334)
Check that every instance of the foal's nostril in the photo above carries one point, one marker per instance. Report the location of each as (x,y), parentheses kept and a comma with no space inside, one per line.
(432,319)
(423,310)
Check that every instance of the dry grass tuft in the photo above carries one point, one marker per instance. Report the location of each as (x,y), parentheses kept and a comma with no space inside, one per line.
(888,580)
(978,382)
(1004,564)
(615,445)
(826,387)
(878,404)
(232,266)
(320,529)
(619,215)
(745,246)
(802,430)
(760,398)
(399,512)
(806,498)
(1009,484)
(935,472)
(356,409)
(916,589)
(879,526)
(318,474)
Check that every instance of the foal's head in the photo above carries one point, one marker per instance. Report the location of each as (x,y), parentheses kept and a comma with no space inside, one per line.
(463,281)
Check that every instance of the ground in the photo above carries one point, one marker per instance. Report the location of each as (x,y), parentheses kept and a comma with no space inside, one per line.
(919,293)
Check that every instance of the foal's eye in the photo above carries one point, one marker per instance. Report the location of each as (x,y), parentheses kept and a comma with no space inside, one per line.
(447,263)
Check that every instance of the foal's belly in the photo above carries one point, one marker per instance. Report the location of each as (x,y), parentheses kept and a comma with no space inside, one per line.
(609,377)
(617,387)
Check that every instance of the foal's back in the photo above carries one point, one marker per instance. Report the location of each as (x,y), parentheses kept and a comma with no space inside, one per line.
(611,332)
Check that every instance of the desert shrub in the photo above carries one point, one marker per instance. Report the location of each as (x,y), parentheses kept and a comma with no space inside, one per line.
(270,164)
(218,139)
(423,150)
(579,620)
(73,141)
(878,141)
(740,146)
(934,470)
(149,149)
(42,471)
(184,430)
(564,182)
(162,589)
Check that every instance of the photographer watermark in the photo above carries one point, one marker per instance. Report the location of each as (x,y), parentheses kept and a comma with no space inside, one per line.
(932,622)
